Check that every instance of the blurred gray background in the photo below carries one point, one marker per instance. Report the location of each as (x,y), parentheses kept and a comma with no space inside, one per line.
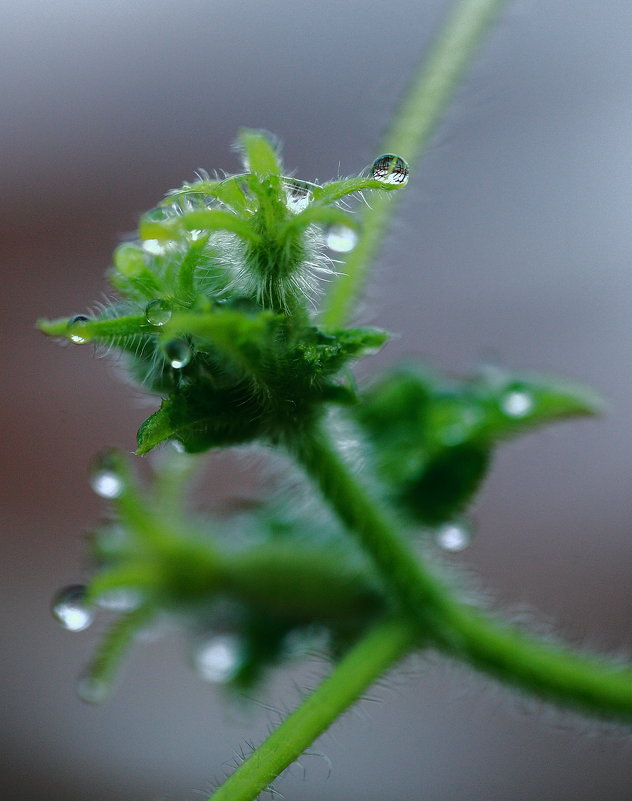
(513,244)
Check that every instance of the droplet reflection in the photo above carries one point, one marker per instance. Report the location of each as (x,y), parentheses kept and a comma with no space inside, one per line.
(390,169)
(158,312)
(178,353)
(517,403)
(77,329)
(453,537)
(218,659)
(341,238)
(69,608)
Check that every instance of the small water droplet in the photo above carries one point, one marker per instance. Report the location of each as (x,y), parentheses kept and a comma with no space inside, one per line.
(178,353)
(454,536)
(92,690)
(218,658)
(129,260)
(70,609)
(77,329)
(390,169)
(298,194)
(517,403)
(158,312)
(154,246)
(105,479)
(341,238)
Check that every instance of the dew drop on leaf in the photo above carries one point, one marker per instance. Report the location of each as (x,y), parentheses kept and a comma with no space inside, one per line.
(158,312)
(178,353)
(517,403)
(218,658)
(453,536)
(341,238)
(76,329)
(69,608)
(390,169)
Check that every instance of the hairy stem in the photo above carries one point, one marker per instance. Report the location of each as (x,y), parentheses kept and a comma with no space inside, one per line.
(548,670)
(360,667)
(409,134)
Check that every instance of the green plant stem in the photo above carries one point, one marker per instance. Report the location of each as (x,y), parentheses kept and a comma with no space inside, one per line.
(422,108)
(550,671)
(358,669)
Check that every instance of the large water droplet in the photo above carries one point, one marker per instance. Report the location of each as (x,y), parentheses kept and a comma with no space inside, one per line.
(341,238)
(92,690)
(129,260)
(517,403)
(453,536)
(390,169)
(178,353)
(218,659)
(158,312)
(105,479)
(70,609)
(77,329)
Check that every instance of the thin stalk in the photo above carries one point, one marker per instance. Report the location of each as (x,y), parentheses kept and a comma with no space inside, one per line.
(423,106)
(546,669)
(361,666)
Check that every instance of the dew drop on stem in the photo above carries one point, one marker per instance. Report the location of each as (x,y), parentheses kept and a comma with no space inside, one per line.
(390,169)
(77,329)
(158,312)
(178,353)
(341,238)
(70,609)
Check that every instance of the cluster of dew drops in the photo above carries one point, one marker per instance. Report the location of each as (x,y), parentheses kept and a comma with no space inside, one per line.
(217,658)
(388,169)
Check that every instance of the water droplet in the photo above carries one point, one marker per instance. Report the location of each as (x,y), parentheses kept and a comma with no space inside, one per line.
(218,659)
(154,246)
(105,479)
(77,329)
(70,609)
(298,194)
(517,403)
(454,536)
(129,260)
(92,690)
(390,169)
(158,312)
(341,238)
(178,353)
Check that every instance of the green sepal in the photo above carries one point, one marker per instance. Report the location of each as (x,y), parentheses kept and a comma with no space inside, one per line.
(434,436)
(201,416)
(260,155)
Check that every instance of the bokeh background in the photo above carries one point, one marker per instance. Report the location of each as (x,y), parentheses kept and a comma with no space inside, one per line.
(512,244)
